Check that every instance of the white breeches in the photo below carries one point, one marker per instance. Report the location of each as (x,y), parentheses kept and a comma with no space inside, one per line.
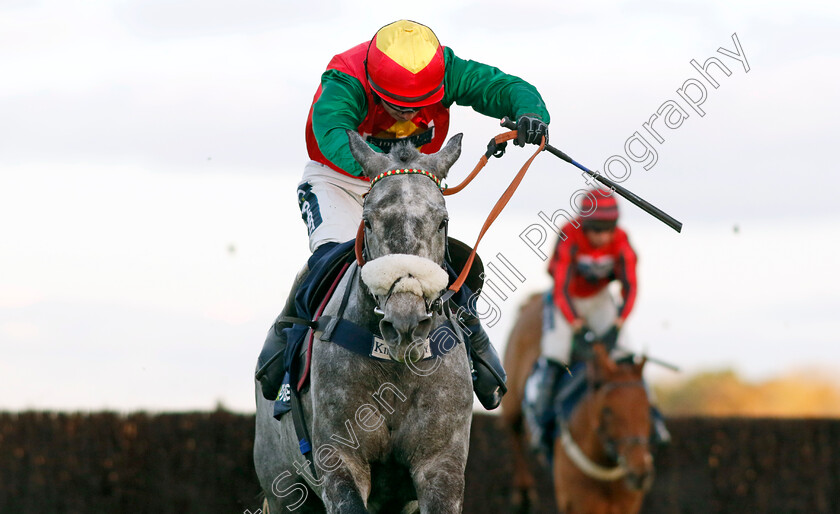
(330,204)
(599,311)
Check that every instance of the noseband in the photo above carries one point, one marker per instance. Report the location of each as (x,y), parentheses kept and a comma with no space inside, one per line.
(610,445)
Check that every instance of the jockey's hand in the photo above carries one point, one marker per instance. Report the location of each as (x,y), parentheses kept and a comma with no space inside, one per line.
(530,130)
(578,324)
(619,323)
(611,336)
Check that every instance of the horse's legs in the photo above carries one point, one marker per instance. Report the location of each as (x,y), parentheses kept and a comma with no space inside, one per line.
(341,492)
(440,485)
(299,504)
(524,495)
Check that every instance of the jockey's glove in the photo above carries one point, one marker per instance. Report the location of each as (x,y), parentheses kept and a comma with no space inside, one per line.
(530,130)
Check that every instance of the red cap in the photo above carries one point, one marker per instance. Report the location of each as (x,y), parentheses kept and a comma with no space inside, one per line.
(405,64)
(605,208)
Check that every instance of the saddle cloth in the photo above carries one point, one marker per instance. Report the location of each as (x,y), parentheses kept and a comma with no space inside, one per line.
(326,268)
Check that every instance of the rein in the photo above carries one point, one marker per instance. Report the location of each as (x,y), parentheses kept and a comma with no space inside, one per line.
(584,463)
(493,148)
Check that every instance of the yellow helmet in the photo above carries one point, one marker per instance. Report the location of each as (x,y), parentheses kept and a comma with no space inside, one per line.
(405,64)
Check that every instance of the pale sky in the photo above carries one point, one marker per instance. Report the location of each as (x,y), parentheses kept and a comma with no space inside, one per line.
(149,153)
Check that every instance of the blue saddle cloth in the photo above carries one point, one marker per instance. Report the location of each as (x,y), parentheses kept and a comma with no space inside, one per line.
(325,264)
(324,267)
(283,403)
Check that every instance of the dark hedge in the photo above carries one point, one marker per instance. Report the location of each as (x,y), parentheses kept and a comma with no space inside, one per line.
(201,462)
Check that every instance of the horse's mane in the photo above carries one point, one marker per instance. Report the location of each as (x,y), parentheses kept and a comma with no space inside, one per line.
(404,152)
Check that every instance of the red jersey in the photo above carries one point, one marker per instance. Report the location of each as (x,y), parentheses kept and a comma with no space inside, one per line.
(580,270)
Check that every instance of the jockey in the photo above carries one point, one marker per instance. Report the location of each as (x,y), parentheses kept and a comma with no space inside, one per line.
(397,86)
(583,265)
(592,253)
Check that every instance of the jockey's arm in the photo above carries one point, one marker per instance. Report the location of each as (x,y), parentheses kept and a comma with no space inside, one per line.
(342,106)
(627,275)
(561,265)
(490,91)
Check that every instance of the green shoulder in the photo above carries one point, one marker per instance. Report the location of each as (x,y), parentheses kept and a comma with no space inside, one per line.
(342,106)
(488,90)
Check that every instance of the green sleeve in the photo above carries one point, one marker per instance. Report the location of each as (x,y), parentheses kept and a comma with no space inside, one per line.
(342,106)
(489,91)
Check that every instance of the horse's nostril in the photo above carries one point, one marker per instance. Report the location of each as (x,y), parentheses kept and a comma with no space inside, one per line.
(389,333)
(640,481)
(424,326)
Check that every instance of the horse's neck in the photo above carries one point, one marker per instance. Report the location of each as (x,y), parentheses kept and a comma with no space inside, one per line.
(360,303)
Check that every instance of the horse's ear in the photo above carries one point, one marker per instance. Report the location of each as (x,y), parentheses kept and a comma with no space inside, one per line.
(372,162)
(447,155)
(639,366)
(603,363)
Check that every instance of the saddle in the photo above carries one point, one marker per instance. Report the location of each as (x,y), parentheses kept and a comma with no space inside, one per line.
(571,386)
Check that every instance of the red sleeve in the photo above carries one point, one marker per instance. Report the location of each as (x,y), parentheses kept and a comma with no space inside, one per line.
(561,269)
(626,273)
(552,263)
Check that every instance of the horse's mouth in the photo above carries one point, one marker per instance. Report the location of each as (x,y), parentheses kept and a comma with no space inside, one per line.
(638,477)
(406,335)
(639,481)
(408,353)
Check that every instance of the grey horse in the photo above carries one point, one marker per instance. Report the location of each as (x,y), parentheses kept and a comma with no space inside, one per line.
(386,436)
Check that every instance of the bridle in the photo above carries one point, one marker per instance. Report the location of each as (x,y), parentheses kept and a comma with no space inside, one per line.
(432,306)
(495,148)
(611,445)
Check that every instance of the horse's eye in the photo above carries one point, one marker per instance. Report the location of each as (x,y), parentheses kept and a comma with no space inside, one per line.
(443,223)
(367,223)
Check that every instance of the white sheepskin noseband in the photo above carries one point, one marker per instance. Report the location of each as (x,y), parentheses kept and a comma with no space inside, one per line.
(419,275)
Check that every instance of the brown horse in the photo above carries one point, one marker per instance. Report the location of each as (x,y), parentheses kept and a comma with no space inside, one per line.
(523,350)
(602,460)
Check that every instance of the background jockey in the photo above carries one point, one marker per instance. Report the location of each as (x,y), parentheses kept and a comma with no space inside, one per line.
(592,256)
(594,253)
(397,86)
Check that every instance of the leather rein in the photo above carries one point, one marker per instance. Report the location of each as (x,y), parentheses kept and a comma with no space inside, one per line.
(495,148)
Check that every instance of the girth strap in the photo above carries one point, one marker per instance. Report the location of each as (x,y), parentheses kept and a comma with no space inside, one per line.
(297,321)
(301,431)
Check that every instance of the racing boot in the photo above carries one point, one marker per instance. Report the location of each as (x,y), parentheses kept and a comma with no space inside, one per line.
(660,436)
(544,380)
(489,377)
(540,394)
(271,364)
(571,390)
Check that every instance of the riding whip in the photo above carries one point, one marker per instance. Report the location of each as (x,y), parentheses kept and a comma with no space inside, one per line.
(625,193)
